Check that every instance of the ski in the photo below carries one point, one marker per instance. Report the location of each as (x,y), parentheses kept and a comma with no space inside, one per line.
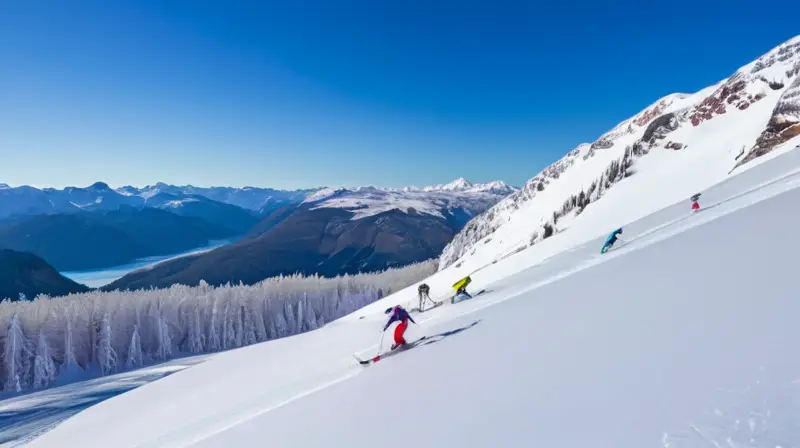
(377,358)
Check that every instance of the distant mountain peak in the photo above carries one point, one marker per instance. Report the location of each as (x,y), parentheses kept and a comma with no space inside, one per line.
(463,185)
(324,193)
(458,184)
(99,186)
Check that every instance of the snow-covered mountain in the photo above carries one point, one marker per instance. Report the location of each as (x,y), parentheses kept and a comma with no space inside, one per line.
(680,145)
(333,232)
(26,200)
(437,200)
(260,200)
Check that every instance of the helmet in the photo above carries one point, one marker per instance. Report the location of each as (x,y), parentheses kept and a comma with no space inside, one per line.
(388,310)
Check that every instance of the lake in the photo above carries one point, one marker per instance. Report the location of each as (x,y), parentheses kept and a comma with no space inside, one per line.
(101,277)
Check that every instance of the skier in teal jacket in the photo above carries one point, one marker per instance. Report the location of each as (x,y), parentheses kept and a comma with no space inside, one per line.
(610,240)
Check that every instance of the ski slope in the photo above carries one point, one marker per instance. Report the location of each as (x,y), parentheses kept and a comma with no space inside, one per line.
(683,336)
(674,148)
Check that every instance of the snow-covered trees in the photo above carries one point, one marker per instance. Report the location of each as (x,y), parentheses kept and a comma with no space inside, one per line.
(106,355)
(134,350)
(44,369)
(15,356)
(106,332)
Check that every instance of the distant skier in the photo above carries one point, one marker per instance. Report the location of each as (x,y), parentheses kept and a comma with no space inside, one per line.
(695,204)
(398,314)
(610,240)
(424,292)
(461,290)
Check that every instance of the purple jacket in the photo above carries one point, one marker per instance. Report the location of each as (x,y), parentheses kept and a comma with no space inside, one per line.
(399,314)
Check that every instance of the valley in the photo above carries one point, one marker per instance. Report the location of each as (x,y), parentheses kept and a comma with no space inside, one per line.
(102,277)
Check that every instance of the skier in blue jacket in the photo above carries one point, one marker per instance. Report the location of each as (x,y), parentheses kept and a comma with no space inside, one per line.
(398,314)
(610,240)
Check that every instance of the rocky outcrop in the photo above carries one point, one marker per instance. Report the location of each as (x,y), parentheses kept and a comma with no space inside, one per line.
(783,125)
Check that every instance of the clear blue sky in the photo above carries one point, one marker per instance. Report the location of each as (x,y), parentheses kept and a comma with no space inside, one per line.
(302,93)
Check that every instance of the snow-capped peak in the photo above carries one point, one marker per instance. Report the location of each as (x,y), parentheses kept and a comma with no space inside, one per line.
(459,184)
(324,193)
(463,185)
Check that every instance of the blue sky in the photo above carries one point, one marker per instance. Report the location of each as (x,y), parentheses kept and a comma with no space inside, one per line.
(303,93)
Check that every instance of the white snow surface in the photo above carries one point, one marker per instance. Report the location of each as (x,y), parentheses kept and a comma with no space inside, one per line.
(682,336)
(28,416)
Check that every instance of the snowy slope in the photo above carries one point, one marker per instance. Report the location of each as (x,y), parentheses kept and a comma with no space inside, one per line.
(437,200)
(587,363)
(640,347)
(676,147)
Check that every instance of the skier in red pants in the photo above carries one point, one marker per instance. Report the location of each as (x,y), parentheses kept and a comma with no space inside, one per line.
(399,314)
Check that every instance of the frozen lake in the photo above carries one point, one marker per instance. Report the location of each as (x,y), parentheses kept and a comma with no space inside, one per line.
(101,277)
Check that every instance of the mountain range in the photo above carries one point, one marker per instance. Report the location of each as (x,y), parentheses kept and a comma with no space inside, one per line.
(674,148)
(26,200)
(95,227)
(333,232)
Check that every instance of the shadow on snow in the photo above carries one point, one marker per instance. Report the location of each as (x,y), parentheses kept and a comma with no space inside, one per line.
(28,416)
(438,337)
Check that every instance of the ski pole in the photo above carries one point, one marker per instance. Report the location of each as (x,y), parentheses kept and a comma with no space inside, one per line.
(380,346)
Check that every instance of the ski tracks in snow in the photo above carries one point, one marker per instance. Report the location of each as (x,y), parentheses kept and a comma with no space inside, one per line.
(765,414)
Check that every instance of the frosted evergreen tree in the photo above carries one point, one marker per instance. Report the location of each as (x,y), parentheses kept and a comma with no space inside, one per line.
(163,339)
(249,327)
(309,316)
(195,338)
(299,314)
(257,314)
(238,326)
(228,331)
(288,314)
(106,355)
(270,321)
(44,369)
(135,358)
(214,342)
(70,363)
(14,356)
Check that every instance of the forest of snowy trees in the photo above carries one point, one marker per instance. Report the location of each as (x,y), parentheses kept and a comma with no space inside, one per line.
(100,333)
